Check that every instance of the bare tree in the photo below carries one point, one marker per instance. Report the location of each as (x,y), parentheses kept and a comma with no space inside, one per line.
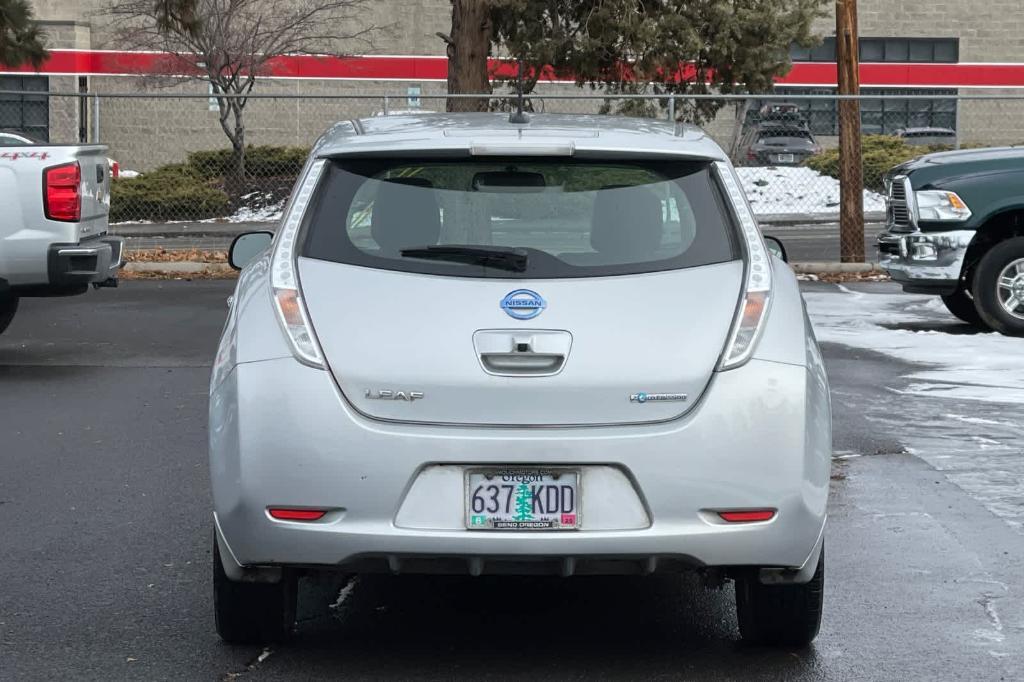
(231,43)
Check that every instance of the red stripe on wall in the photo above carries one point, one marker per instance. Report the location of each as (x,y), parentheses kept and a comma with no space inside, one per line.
(429,68)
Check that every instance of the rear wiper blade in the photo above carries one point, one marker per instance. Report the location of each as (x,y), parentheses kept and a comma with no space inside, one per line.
(513,260)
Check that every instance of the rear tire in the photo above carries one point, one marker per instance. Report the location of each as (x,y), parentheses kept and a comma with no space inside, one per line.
(961,305)
(8,306)
(781,615)
(998,284)
(252,613)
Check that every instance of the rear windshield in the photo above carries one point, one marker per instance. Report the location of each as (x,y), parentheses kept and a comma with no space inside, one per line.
(516,218)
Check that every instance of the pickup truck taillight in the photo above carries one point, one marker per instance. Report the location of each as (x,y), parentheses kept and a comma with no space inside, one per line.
(62,194)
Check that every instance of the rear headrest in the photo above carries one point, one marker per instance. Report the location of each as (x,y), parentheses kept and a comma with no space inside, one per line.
(627,223)
(405,215)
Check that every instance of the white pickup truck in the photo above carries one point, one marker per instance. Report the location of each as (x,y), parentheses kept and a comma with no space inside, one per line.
(54,206)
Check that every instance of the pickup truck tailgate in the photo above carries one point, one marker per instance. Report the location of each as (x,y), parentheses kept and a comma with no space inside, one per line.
(95,189)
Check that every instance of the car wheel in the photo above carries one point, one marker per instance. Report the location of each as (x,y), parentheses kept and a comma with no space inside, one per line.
(782,615)
(8,306)
(252,613)
(999,287)
(962,306)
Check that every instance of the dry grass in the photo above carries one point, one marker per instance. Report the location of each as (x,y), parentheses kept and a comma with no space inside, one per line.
(176,256)
(843,277)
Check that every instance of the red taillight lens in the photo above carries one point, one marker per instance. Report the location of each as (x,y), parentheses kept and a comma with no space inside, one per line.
(747,516)
(62,196)
(115,170)
(284,514)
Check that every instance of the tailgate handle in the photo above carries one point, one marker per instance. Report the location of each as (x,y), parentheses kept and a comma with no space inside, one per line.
(522,363)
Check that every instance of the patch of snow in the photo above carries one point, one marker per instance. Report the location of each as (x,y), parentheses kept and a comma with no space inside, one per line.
(125,173)
(247,214)
(795,189)
(985,367)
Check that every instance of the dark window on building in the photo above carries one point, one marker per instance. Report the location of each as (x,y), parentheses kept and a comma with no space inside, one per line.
(883,116)
(933,50)
(28,114)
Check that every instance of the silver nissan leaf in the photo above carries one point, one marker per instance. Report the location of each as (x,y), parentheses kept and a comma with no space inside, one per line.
(478,346)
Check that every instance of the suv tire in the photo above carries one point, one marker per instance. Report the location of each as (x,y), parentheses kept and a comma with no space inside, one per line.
(781,615)
(961,305)
(998,280)
(8,306)
(252,613)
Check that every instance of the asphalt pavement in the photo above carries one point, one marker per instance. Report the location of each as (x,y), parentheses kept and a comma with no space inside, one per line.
(105,537)
(815,241)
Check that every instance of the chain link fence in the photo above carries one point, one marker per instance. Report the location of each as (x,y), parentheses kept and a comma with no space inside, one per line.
(179,173)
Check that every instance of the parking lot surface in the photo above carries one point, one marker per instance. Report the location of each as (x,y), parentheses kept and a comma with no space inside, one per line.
(105,534)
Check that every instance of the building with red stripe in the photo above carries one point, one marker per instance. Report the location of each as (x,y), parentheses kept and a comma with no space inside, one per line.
(934,49)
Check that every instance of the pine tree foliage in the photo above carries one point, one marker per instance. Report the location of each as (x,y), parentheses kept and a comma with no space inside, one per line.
(656,46)
(21,39)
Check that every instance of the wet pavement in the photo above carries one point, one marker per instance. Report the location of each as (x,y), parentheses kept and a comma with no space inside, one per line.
(105,536)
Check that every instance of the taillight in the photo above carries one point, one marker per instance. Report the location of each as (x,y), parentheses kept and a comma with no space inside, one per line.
(291,311)
(115,170)
(62,195)
(757,290)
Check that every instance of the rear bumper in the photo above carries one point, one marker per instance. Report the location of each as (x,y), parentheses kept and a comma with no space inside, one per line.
(927,262)
(93,261)
(280,434)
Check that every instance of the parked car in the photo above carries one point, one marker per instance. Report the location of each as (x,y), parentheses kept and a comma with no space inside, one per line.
(53,231)
(956,229)
(777,144)
(587,362)
(928,136)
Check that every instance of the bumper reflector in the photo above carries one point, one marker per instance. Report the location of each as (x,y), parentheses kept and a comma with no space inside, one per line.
(296,514)
(747,516)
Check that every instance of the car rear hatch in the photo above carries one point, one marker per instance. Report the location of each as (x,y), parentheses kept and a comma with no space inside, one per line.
(563,293)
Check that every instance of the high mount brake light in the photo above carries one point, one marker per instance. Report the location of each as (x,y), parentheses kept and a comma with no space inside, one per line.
(757,291)
(62,195)
(284,279)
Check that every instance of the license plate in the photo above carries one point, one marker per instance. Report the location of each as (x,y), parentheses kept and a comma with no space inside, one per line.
(523,499)
(785,158)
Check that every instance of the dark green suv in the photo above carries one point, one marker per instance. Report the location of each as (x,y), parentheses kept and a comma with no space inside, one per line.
(955,228)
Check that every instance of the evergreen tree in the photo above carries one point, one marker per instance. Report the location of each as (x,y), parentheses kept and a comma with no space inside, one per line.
(524,503)
(21,39)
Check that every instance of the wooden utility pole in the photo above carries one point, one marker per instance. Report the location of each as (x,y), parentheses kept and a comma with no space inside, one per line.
(851,174)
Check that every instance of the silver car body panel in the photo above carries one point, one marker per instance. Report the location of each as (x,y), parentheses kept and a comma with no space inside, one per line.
(492,135)
(420,337)
(283,433)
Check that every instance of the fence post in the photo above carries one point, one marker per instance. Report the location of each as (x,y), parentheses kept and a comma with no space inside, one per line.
(385,105)
(95,118)
(672,108)
(956,122)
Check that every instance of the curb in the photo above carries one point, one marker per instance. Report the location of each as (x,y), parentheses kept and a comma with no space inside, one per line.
(178,267)
(192,267)
(836,268)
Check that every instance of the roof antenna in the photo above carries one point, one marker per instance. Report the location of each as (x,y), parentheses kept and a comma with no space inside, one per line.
(518,116)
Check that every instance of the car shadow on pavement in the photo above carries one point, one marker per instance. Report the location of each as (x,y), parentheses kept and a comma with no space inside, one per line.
(515,627)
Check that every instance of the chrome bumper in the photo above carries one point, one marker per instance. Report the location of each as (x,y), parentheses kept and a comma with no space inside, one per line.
(925,259)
